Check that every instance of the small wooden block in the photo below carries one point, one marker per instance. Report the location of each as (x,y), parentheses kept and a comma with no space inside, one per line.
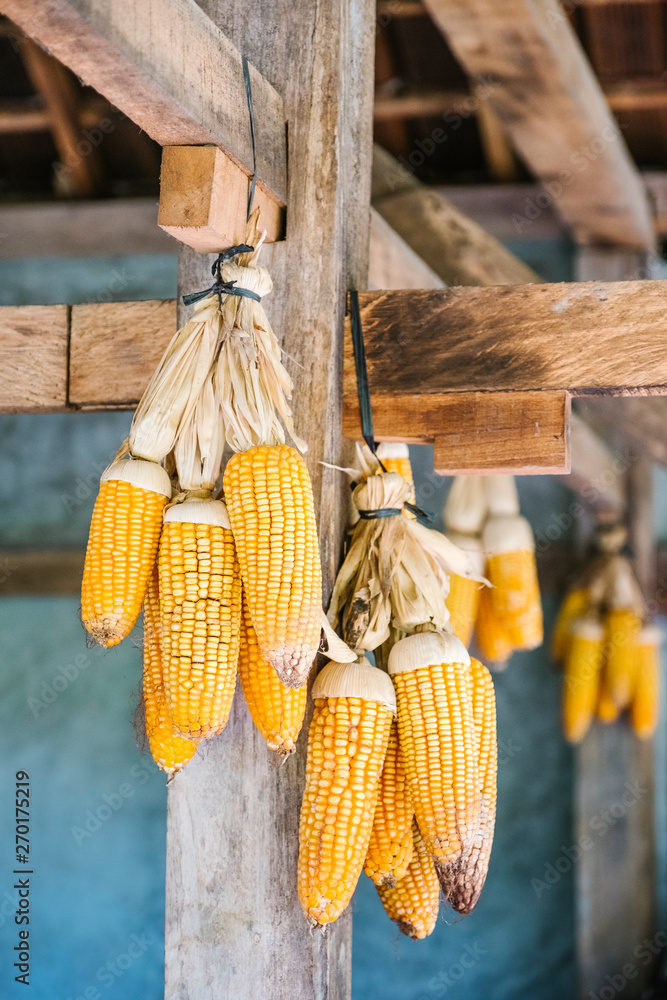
(525,433)
(33,373)
(204,200)
(115,348)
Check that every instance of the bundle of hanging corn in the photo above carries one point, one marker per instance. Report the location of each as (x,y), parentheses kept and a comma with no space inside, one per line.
(239,582)
(482,516)
(410,800)
(610,654)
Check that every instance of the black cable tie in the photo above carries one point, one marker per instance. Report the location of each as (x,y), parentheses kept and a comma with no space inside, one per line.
(421,515)
(221,287)
(371,515)
(248,94)
(363,390)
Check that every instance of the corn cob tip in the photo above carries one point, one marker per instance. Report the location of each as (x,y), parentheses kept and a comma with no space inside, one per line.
(292,664)
(109,630)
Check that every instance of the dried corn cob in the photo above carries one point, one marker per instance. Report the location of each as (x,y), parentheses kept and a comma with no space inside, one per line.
(621,659)
(122,545)
(581,678)
(462,881)
(607,710)
(413,902)
(200,610)
(464,595)
(492,639)
(271,512)
(276,710)
(347,744)
(390,846)
(511,568)
(645,708)
(170,752)
(574,605)
(431,674)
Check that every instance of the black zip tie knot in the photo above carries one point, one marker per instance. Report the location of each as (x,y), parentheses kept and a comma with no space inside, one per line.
(221,287)
(421,515)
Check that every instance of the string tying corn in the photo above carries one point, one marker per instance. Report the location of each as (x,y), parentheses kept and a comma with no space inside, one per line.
(347,744)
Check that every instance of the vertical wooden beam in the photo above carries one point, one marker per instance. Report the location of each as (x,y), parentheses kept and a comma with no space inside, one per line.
(615,785)
(234,927)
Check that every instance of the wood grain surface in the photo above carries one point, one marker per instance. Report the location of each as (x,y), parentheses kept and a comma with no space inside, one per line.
(33,358)
(170,69)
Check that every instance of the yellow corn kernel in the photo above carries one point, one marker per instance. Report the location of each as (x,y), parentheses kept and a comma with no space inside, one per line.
(122,546)
(347,743)
(515,596)
(390,846)
(200,603)
(621,659)
(412,903)
(581,678)
(276,710)
(462,880)
(169,752)
(463,605)
(645,708)
(270,503)
(492,639)
(436,730)
(574,605)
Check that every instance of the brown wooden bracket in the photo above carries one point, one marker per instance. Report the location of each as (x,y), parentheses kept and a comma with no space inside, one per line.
(204,200)
(486,373)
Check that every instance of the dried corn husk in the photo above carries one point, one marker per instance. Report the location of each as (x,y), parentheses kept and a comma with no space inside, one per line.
(396,572)
(466,507)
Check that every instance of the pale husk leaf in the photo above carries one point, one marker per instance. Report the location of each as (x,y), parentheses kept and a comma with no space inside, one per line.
(336,649)
(466,505)
(355,680)
(172,392)
(502,497)
(425,649)
(200,443)
(511,533)
(146,475)
(212,512)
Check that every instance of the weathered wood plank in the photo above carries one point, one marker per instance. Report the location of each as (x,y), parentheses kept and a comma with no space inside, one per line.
(33,358)
(235,930)
(170,69)
(53,572)
(455,247)
(82,229)
(538,82)
(204,200)
(480,432)
(588,337)
(393,264)
(115,348)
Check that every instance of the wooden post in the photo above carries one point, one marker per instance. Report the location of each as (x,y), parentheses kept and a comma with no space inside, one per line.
(234,927)
(615,783)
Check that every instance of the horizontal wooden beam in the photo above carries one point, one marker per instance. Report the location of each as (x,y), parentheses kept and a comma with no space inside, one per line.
(167,66)
(94,356)
(82,229)
(525,60)
(588,337)
(455,247)
(387,9)
(392,263)
(48,572)
(524,433)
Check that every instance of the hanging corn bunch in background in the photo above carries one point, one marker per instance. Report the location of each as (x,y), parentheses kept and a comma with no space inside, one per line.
(610,657)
